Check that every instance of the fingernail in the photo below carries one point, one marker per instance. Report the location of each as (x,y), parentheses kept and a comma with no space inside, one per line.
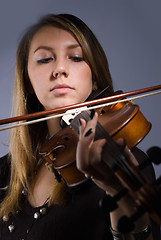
(92,113)
(88,132)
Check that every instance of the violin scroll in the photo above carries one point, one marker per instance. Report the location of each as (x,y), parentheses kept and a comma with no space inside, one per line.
(147,196)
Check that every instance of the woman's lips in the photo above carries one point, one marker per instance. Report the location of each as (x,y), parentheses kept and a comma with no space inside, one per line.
(61,89)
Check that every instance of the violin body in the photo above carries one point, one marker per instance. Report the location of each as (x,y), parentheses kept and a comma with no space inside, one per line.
(60,151)
(122,120)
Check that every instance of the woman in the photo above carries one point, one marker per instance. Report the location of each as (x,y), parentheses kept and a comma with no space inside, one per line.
(59,62)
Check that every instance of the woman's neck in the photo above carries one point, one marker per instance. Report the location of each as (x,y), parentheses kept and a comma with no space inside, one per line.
(42,187)
(53,126)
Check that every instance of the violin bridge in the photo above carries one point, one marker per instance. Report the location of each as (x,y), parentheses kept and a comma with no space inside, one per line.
(71,114)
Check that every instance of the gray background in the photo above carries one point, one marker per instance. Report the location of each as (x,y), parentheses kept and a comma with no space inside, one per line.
(129,31)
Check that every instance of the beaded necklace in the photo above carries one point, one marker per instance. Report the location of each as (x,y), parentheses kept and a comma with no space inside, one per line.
(38,213)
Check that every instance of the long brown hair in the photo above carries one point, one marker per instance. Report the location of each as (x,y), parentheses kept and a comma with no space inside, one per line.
(25,142)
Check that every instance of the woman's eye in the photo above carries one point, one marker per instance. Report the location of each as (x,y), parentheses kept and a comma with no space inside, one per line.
(45,60)
(76,59)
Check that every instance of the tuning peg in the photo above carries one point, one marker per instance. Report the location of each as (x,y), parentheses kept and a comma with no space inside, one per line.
(158,181)
(154,156)
(109,203)
(126,224)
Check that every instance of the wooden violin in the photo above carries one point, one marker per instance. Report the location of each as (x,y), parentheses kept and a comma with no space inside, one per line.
(121,119)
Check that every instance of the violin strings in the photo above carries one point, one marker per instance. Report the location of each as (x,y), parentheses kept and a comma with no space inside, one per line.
(77,110)
(112,155)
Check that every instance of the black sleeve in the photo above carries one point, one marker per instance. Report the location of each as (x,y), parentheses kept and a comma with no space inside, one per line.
(4,175)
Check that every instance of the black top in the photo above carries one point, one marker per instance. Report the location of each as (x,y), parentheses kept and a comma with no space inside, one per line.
(80,218)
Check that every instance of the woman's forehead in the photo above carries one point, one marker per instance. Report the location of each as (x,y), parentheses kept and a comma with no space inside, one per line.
(51,35)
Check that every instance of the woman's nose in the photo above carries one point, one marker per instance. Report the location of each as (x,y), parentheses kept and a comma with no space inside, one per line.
(60,70)
(59,73)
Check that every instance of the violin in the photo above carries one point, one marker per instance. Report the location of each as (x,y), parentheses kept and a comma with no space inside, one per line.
(123,120)
(119,118)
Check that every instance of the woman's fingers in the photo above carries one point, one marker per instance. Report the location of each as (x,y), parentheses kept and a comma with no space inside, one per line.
(88,150)
(89,156)
(85,127)
(127,152)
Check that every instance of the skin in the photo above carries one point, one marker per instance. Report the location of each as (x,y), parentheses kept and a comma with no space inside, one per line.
(60,76)
(57,71)
(55,59)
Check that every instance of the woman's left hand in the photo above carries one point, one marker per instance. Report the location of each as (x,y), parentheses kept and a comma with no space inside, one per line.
(88,158)
(88,161)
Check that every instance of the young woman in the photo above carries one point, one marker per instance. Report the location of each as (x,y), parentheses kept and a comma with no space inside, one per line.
(60,62)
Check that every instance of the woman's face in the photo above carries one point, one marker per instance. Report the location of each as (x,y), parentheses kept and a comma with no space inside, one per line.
(56,68)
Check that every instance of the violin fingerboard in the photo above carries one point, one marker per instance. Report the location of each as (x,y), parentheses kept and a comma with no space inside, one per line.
(112,154)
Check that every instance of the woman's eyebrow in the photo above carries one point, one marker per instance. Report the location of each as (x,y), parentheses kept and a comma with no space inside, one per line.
(43,47)
(71,46)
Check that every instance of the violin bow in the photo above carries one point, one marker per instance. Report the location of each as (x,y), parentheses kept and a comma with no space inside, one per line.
(92,104)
